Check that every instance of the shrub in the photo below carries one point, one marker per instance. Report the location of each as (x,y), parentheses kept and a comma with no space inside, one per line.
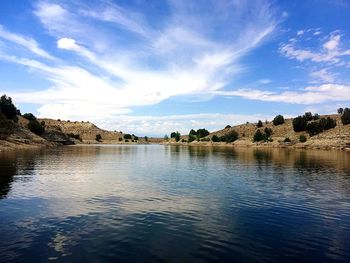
(192,132)
(287,140)
(172,135)
(327,123)
(259,124)
(345,117)
(177,136)
(98,137)
(205,139)
(308,116)
(231,136)
(29,116)
(8,109)
(146,138)
(268,132)
(42,123)
(299,123)
(136,138)
(340,111)
(202,133)
(128,140)
(191,138)
(75,136)
(6,126)
(278,120)
(316,116)
(166,137)
(127,136)
(183,140)
(314,128)
(215,138)
(120,139)
(302,138)
(35,127)
(258,136)
(227,126)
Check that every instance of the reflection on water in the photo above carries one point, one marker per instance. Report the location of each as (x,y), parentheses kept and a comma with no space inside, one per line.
(174,203)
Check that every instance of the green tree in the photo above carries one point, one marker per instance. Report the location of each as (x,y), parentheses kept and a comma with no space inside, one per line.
(8,109)
(258,136)
(127,136)
(202,133)
(345,118)
(29,116)
(327,123)
(192,132)
(146,139)
(268,132)
(302,138)
(98,137)
(308,116)
(215,138)
(7,126)
(177,136)
(278,120)
(166,137)
(340,111)
(299,123)
(313,128)
(259,124)
(35,127)
(231,136)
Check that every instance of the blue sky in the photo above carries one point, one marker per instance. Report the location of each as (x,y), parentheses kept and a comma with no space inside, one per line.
(152,67)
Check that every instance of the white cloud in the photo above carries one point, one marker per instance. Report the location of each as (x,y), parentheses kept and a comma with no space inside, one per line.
(25,42)
(332,43)
(330,51)
(300,32)
(181,56)
(323,75)
(309,95)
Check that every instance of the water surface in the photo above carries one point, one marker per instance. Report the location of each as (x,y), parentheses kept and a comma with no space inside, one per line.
(174,204)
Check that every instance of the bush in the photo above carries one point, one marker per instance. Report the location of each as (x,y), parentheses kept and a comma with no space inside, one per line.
(6,126)
(128,140)
(345,117)
(205,139)
(75,136)
(316,116)
(227,126)
(35,127)
(268,132)
(146,139)
(202,133)
(183,140)
(327,123)
(278,120)
(8,109)
(136,138)
(192,132)
(302,138)
(299,123)
(258,136)
(191,138)
(42,123)
(340,111)
(166,137)
(314,128)
(127,136)
(259,124)
(120,139)
(215,138)
(98,137)
(308,116)
(287,140)
(231,136)
(29,116)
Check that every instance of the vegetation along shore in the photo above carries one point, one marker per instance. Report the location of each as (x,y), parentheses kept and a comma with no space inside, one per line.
(22,131)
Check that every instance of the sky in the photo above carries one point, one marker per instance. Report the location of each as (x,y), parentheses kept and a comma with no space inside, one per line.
(153,67)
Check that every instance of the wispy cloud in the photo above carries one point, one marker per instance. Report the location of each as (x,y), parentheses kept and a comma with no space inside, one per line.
(330,51)
(309,95)
(183,55)
(23,41)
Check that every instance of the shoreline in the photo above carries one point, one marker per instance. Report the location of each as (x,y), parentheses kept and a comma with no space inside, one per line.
(6,146)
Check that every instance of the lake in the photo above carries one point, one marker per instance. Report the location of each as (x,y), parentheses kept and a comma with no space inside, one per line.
(154,203)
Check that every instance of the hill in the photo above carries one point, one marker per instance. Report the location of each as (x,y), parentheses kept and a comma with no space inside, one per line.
(337,137)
